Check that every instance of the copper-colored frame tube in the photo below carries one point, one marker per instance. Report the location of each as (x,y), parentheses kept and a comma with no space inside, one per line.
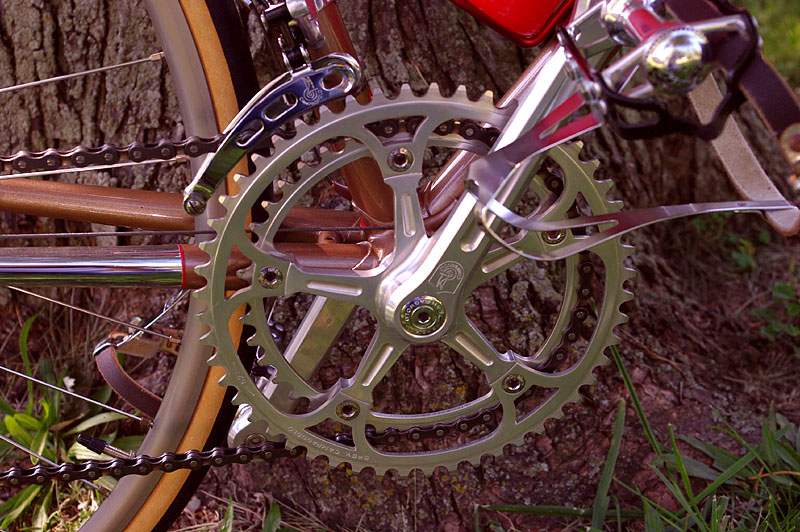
(162,211)
(142,209)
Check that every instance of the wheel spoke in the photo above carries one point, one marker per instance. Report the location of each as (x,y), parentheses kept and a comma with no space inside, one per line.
(73,394)
(152,58)
(89,312)
(178,158)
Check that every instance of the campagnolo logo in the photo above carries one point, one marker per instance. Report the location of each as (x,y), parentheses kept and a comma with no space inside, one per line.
(312,94)
(314,442)
(447,277)
(325,447)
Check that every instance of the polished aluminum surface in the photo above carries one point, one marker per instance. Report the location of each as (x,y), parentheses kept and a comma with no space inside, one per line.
(92,266)
(678,60)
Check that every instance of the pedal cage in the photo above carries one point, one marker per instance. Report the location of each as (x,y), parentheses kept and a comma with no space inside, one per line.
(614,102)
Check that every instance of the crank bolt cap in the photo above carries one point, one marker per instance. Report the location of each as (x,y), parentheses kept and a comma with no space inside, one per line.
(270,277)
(348,410)
(400,159)
(513,383)
(423,316)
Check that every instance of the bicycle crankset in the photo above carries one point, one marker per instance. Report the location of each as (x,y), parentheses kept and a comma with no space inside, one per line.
(389,359)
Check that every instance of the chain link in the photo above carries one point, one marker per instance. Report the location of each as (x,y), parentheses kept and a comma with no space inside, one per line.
(164,150)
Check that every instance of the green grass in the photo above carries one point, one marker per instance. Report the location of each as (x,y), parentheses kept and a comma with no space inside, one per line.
(779,25)
(757,491)
(43,423)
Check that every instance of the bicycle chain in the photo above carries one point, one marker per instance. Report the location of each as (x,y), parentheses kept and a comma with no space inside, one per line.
(221,456)
(108,154)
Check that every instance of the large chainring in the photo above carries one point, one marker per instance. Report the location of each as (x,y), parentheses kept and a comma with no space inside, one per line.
(502,383)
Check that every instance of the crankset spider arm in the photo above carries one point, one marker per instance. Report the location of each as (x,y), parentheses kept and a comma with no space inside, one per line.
(279,103)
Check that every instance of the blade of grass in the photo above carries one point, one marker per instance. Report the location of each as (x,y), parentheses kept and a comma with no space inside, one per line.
(272,521)
(684,474)
(602,500)
(227,521)
(637,405)
(23,349)
(563,511)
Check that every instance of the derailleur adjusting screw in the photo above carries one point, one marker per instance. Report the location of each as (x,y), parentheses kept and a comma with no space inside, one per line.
(513,383)
(554,237)
(400,159)
(270,277)
(348,410)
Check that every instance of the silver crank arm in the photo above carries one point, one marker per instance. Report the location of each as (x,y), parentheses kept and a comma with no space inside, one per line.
(281,101)
(625,222)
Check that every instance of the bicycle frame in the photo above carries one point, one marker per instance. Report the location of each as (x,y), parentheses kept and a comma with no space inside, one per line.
(544,85)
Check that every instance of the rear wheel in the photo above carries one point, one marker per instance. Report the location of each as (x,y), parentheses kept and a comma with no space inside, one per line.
(209,62)
(213,75)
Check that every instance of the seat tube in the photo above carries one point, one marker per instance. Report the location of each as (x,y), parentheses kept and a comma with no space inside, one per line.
(371,196)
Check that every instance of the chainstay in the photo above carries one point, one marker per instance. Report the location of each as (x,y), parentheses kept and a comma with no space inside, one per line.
(165,150)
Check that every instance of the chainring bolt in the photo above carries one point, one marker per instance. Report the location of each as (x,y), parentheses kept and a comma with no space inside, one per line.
(255,440)
(400,159)
(270,277)
(554,237)
(513,383)
(348,410)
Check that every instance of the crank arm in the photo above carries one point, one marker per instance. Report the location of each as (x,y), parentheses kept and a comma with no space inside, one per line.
(286,98)
(487,176)
(625,221)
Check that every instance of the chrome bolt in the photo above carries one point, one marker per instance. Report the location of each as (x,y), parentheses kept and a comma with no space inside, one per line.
(194,205)
(254,440)
(513,383)
(270,277)
(423,316)
(400,159)
(80,160)
(554,237)
(348,410)
(22,165)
